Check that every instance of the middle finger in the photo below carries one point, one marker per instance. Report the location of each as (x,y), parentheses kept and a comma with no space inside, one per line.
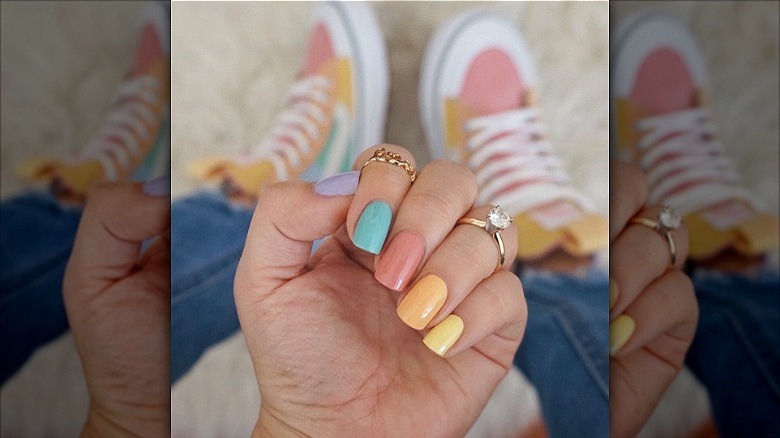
(443,193)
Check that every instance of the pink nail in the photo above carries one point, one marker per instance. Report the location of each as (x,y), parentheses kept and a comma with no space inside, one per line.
(398,263)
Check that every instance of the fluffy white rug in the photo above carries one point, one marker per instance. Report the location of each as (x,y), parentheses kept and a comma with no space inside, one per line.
(231,66)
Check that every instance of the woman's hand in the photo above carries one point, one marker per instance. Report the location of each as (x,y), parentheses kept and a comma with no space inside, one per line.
(653,310)
(118,305)
(330,334)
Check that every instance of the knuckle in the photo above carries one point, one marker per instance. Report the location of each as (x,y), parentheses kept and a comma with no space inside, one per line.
(277,192)
(676,292)
(465,182)
(439,206)
(104,191)
(101,198)
(504,297)
(630,185)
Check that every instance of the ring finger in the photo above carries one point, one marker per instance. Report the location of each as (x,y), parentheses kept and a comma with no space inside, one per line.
(641,254)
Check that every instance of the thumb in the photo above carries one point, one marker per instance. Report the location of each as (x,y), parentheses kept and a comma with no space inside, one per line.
(289,217)
(117,218)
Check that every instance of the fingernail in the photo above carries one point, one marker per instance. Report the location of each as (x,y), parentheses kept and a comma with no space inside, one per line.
(442,337)
(620,331)
(422,302)
(613,293)
(340,184)
(372,227)
(160,186)
(399,262)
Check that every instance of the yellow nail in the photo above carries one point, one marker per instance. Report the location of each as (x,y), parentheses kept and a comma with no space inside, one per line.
(422,302)
(620,331)
(613,293)
(442,337)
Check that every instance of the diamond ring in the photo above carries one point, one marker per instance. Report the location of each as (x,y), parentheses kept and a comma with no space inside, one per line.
(497,220)
(382,155)
(668,220)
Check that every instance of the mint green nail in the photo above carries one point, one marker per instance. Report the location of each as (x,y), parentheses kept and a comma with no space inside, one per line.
(372,227)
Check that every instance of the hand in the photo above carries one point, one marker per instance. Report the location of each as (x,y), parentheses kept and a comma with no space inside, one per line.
(653,310)
(118,305)
(330,353)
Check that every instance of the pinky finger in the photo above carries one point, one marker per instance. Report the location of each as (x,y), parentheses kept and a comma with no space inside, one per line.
(666,307)
(496,306)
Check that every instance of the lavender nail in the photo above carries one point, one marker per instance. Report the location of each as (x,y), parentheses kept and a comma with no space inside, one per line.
(160,186)
(340,184)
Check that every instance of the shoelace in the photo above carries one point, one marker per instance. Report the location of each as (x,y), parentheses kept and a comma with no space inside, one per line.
(126,125)
(686,168)
(514,165)
(297,125)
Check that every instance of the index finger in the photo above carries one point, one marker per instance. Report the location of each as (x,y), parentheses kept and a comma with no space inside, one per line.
(627,195)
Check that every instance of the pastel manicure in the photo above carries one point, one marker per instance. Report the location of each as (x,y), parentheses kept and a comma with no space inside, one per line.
(340,184)
(399,262)
(620,331)
(423,302)
(613,293)
(442,337)
(372,227)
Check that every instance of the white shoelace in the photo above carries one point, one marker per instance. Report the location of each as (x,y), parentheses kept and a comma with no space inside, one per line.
(686,168)
(125,126)
(296,125)
(527,162)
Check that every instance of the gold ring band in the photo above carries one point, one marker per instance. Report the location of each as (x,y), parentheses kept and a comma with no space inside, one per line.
(382,155)
(661,229)
(495,222)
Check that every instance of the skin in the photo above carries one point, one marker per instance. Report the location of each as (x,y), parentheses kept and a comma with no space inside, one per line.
(118,305)
(659,298)
(331,356)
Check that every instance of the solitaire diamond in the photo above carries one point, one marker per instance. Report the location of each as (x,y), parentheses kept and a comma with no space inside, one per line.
(669,218)
(497,220)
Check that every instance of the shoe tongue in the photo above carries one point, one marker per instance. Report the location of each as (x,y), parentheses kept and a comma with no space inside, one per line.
(148,51)
(664,84)
(492,84)
(319,50)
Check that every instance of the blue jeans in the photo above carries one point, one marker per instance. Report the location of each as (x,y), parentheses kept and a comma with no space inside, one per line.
(36,236)
(207,238)
(736,350)
(565,350)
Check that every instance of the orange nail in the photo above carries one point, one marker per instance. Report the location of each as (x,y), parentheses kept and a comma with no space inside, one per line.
(422,302)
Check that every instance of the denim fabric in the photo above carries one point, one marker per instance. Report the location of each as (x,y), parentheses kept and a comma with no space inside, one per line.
(565,350)
(36,236)
(736,350)
(207,238)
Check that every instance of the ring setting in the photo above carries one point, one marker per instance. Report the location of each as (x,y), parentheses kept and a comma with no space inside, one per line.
(667,221)
(382,155)
(496,221)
